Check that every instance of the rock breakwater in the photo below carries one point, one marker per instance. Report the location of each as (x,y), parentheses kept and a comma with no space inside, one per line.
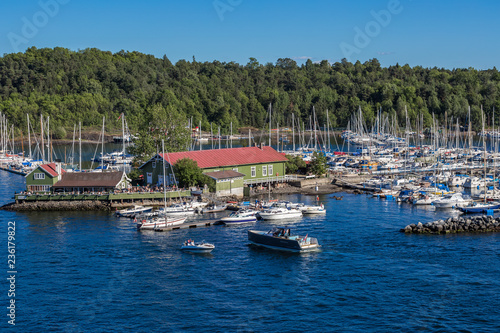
(58,205)
(455,225)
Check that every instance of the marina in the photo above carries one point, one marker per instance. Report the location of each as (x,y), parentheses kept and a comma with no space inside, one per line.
(353,255)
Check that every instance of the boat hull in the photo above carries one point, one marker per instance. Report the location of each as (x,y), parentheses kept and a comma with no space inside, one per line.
(197,249)
(235,220)
(261,238)
(279,216)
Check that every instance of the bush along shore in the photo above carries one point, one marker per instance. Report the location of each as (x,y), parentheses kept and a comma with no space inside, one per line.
(455,225)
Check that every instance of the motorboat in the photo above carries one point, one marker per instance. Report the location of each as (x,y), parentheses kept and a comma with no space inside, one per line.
(193,247)
(159,222)
(479,208)
(282,239)
(241,216)
(452,200)
(214,208)
(133,211)
(308,209)
(425,199)
(278,213)
(177,209)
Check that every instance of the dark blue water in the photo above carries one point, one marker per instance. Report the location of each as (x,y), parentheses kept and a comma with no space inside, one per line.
(92,272)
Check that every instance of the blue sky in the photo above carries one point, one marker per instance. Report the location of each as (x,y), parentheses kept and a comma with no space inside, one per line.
(449,34)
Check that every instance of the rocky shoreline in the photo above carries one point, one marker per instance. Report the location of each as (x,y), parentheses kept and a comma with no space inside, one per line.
(58,206)
(455,225)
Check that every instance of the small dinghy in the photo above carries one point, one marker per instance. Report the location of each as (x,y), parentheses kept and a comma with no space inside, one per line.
(192,246)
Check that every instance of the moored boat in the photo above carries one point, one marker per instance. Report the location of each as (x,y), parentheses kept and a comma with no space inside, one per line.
(241,216)
(134,210)
(476,208)
(279,213)
(281,239)
(452,200)
(159,222)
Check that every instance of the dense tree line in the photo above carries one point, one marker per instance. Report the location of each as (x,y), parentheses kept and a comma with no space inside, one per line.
(72,86)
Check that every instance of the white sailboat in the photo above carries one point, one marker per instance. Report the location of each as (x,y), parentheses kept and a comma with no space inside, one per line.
(161,221)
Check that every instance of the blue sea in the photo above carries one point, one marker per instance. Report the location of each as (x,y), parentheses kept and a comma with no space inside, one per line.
(93,272)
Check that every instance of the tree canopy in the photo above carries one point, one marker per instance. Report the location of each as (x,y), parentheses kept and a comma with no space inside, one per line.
(72,86)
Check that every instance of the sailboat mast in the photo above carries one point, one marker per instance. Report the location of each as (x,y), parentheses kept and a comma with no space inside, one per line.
(43,145)
(164,184)
(123,134)
(293,131)
(80,146)
(29,136)
(102,146)
(270,111)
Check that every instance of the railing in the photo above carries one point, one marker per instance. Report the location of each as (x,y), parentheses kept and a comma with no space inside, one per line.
(274,179)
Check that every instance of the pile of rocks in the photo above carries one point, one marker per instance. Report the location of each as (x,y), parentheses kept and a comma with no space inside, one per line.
(455,225)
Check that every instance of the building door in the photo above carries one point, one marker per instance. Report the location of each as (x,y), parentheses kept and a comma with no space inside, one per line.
(149,178)
(160,180)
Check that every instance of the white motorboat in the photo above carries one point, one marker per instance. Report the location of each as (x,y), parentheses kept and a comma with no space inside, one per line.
(178,209)
(159,222)
(214,208)
(192,246)
(241,216)
(306,209)
(278,213)
(452,201)
(425,199)
(134,210)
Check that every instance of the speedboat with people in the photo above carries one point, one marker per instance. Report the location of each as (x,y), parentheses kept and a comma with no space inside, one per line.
(282,239)
(241,216)
(133,211)
(193,247)
(313,209)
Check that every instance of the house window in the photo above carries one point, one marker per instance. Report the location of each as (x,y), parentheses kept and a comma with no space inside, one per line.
(154,164)
(253,171)
(39,176)
(264,171)
(172,179)
(270,170)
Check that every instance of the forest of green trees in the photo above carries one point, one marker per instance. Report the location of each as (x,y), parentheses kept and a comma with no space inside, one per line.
(72,86)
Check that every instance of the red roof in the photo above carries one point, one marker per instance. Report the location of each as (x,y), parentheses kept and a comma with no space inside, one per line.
(214,158)
(51,169)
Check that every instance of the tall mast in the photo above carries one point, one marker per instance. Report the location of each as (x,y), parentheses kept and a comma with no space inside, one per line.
(293,131)
(199,129)
(231,135)
(270,110)
(102,147)
(123,134)
(80,144)
(43,145)
(164,184)
(29,137)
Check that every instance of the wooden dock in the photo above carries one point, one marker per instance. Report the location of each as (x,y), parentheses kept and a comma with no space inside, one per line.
(206,223)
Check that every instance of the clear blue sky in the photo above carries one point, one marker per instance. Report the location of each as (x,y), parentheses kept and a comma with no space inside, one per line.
(449,34)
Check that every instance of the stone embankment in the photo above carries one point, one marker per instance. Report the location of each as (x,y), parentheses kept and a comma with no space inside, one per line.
(58,205)
(455,225)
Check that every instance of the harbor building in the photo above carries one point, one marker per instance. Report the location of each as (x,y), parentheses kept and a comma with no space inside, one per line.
(44,177)
(255,165)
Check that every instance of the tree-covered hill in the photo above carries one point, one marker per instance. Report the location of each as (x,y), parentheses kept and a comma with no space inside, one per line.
(71,86)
